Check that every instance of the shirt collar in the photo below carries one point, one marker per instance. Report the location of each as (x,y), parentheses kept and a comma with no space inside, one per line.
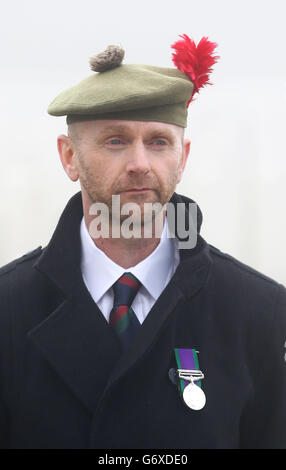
(100,272)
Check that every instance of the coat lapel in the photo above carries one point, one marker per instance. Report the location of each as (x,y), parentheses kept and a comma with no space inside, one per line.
(75,338)
(80,345)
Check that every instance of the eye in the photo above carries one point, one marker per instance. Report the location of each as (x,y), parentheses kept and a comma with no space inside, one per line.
(115,141)
(159,142)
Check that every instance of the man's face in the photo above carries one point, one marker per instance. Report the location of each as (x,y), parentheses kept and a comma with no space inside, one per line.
(140,161)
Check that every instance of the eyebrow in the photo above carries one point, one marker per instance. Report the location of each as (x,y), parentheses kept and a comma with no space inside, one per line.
(116,129)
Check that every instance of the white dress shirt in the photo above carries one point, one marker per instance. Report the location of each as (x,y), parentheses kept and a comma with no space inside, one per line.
(154,272)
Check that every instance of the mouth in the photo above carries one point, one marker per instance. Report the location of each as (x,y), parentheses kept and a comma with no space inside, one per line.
(137,190)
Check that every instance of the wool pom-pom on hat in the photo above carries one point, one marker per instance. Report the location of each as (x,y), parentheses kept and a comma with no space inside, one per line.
(107,60)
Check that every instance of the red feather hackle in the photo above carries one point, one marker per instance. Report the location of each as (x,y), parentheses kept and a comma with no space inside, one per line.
(195,61)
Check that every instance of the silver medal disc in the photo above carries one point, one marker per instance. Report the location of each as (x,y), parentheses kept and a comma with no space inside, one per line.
(194,397)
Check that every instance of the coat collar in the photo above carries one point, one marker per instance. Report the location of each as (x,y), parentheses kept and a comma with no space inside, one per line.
(75,338)
(61,259)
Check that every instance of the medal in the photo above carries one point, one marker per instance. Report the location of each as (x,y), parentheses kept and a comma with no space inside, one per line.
(194,397)
(192,393)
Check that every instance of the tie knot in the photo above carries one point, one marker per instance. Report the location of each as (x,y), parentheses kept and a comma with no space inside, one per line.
(125,289)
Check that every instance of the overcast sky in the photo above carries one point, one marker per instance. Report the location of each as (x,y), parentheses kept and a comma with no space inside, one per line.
(237,168)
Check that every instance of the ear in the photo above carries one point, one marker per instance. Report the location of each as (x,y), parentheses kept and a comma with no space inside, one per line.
(67,154)
(185,155)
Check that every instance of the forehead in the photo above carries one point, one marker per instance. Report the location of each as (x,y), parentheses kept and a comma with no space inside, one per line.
(100,127)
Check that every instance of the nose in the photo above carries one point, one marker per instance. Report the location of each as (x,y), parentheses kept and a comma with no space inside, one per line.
(138,161)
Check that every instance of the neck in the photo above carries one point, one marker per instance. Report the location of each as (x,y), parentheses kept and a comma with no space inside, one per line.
(127,253)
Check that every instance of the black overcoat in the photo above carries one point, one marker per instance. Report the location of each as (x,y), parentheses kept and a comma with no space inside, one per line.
(66,384)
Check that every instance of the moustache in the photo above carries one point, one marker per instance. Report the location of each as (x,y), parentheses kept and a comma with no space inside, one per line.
(137,185)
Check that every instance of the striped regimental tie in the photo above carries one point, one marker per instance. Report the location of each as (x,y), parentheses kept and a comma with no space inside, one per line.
(122,318)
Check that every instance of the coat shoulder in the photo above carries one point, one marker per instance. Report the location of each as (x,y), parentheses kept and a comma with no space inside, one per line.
(30,255)
(248,301)
(235,269)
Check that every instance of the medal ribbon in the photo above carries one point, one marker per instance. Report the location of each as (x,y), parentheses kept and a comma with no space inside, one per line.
(187,359)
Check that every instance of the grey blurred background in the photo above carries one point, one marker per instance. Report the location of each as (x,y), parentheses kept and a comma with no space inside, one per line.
(237,167)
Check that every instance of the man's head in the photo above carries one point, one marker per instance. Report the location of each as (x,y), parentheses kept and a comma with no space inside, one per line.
(126,124)
(140,161)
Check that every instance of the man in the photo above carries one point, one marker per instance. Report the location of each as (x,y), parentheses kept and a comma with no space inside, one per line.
(115,342)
